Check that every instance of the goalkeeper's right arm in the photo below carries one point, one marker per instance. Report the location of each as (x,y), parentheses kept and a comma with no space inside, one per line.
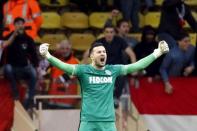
(68,68)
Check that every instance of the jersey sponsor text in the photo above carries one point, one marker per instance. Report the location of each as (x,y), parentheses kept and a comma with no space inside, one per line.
(99,80)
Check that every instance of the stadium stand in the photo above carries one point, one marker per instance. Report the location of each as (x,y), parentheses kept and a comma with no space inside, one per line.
(52,20)
(191,2)
(98,19)
(74,20)
(158,2)
(48,3)
(193,38)
(53,39)
(152,18)
(81,42)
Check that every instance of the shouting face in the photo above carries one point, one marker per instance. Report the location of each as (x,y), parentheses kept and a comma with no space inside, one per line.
(98,56)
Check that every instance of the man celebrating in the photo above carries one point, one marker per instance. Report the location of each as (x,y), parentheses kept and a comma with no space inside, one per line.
(97,84)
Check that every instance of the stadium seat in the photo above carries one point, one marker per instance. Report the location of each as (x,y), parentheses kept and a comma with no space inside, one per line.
(191,2)
(193,38)
(51,20)
(99,36)
(152,18)
(194,14)
(98,19)
(141,20)
(75,20)
(137,36)
(53,39)
(61,3)
(81,42)
(158,2)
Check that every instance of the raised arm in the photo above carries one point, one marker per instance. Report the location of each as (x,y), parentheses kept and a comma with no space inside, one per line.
(68,68)
(143,63)
(10,40)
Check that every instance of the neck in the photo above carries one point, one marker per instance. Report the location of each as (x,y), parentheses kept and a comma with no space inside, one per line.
(98,67)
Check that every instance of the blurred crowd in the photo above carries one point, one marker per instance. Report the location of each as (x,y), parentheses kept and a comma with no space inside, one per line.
(21,63)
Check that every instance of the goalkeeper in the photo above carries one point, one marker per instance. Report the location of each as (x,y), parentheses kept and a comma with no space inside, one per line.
(97,84)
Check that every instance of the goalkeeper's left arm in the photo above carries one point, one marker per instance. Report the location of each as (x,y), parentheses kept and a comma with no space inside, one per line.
(143,63)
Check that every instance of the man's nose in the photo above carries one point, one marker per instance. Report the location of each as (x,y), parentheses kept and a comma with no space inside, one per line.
(102,53)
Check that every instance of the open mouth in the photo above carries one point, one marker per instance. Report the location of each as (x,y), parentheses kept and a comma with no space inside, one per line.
(102,59)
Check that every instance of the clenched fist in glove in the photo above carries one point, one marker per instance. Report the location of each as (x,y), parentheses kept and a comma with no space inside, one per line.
(43,49)
(162,49)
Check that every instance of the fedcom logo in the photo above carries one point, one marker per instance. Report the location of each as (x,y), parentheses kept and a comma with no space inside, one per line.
(100,80)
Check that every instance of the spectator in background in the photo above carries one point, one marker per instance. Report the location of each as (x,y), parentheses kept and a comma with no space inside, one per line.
(194,73)
(61,83)
(179,61)
(115,46)
(147,45)
(123,28)
(5,43)
(22,60)
(1,16)
(147,5)
(174,14)
(29,10)
(130,10)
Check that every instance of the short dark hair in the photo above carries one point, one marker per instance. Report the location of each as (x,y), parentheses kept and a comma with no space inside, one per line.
(108,25)
(121,21)
(181,36)
(95,44)
(17,19)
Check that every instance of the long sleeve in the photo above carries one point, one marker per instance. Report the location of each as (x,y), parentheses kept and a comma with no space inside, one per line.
(67,68)
(139,65)
(36,13)
(164,68)
(192,51)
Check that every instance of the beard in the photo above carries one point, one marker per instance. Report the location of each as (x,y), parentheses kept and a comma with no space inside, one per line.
(100,63)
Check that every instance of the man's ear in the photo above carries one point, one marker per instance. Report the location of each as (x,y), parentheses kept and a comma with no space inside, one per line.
(91,56)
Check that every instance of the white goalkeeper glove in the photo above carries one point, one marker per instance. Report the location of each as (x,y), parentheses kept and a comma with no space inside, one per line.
(43,49)
(162,49)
